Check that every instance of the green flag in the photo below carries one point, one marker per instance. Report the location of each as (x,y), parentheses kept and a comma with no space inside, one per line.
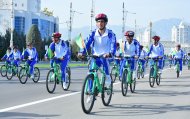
(23,51)
(50,53)
(80,41)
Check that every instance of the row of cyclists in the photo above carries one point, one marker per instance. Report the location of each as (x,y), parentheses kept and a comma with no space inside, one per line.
(103,44)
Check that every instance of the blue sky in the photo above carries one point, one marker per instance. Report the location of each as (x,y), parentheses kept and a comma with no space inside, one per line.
(146,10)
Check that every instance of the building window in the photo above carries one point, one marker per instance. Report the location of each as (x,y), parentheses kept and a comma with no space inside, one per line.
(15,4)
(35,21)
(19,24)
(22,4)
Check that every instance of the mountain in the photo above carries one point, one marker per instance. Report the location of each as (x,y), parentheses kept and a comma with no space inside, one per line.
(162,28)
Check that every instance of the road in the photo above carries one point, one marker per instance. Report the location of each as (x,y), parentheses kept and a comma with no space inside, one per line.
(170,100)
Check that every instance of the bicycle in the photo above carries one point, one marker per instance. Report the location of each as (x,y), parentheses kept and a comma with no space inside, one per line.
(140,71)
(12,70)
(24,73)
(4,69)
(54,77)
(189,64)
(115,72)
(154,75)
(127,77)
(92,86)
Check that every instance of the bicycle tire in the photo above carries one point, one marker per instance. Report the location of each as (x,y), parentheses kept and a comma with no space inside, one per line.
(3,71)
(51,78)
(23,76)
(151,78)
(124,83)
(36,75)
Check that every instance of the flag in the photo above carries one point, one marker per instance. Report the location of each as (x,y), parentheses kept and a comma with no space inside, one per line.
(23,51)
(80,41)
(121,44)
(50,53)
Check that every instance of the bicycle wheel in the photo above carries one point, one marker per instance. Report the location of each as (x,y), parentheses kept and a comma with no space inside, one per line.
(23,76)
(9,72)
(51,81)
(36,74)
(113,74)
(151,77)
(124,83)
(3,70)
(138,73)
(142,74)
(68,79)
(132,84)
(158,79)
(177,73)
(87,94)
(18,70)
(106,93)
(188,67)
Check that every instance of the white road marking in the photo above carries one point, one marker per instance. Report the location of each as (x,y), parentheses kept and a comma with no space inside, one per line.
(47,99)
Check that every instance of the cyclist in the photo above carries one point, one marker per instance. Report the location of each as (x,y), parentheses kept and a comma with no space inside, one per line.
(8,56)
(16,56)
(31,55)
(178,56)
(61,52)
(118,55)
(142,57)
(157,51)
(103,43)
(131,49)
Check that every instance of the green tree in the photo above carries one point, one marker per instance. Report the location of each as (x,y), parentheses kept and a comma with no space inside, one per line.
(34,36)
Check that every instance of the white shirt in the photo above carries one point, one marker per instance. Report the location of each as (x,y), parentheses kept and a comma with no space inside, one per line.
(102,43)
(129,49)
(16,55)
(118,52)
(60,51)
(156,51)
(142,54)
(31,53)
(178,54)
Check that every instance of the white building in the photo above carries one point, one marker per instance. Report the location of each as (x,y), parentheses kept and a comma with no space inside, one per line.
(26,13)
(181,33)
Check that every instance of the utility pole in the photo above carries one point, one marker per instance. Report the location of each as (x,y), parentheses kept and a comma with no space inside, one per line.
(135,27)
(70,22)
(92,15)
(150,26)
(123,20)
(12,23)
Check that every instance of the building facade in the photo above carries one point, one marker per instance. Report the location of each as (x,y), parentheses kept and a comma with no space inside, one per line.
(26,13)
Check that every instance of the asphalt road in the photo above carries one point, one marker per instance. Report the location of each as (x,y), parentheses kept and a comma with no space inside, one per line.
(170,100)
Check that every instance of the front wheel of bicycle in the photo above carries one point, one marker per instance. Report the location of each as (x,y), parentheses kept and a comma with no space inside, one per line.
(113,74)
(23,76)
(106,93)
(87,94)
(151,77)
(124,83)
(158,79)
(9,72)
(36,75)
(133,84)
(51,81)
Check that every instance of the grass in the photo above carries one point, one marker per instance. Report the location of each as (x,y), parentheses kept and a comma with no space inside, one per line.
(71,65)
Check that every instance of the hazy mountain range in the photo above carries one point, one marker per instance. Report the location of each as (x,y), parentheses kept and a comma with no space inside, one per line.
(162,28)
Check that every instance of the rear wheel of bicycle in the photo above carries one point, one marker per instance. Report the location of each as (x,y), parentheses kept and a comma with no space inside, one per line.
(9,72)
(151,77)
(36,74)
(124,83)
(68,79)
(158,79)
(23,76)
(3,70)
(177,73)
(51,81)
(133,84)
(106,93)
(87,95)
(142,74)
(138,73)
(113,74)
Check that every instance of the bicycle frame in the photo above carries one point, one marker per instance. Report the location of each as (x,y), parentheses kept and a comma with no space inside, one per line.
(155,66)
(97,82)
(128,68)
(56,68)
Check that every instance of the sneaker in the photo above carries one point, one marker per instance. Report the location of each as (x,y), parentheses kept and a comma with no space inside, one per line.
(89,99)
(180,72)
(134,74)
(32,76)
(64,85)
(160,71)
